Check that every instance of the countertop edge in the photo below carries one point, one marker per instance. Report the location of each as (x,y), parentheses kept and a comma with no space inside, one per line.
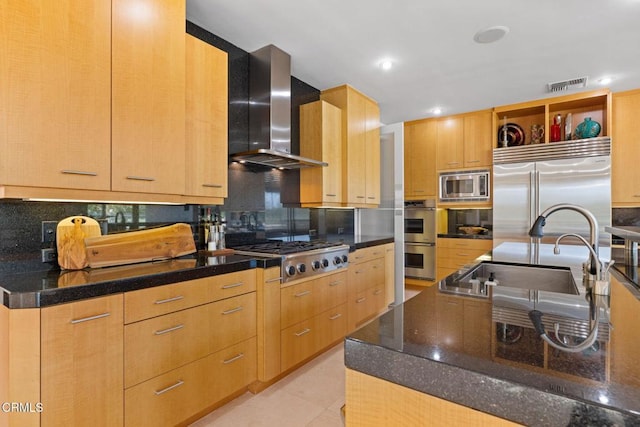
(499,397)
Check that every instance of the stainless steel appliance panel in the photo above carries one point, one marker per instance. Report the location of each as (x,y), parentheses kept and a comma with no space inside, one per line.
(513,207)
(419,260)
(419,225)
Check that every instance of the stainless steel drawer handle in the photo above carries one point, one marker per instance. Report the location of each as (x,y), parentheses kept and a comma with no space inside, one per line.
(377,253)
(336,283)
(360,197)
(233,359)
(462,254)
(371,197)
(359,271)
(212,185)
(140,178)
(377,292)
(232,285)
(473,161)
(453,163)
(331,195)
(335,316)
(86,319)
(171,387)
(171,329)
(359,300)
(636,195)
(302,332)
(172,299)
(301,294)
(75,172)
(275,279)
(233,310)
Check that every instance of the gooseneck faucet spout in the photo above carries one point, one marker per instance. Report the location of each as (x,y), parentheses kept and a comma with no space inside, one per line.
(536,229)
(594,255)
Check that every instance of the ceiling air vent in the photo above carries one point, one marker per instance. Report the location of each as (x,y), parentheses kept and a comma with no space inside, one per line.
(567,84)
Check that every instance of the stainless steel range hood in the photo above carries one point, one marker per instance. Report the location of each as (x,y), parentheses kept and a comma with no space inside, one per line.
(270,113)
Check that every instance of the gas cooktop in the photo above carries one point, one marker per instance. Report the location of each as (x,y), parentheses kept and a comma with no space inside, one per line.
(278,247)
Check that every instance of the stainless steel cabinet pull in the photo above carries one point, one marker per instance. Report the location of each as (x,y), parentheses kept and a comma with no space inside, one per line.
(275,279)
(86,319)
(636,195)
(212,185)
(140,178)
(335,316)
(331,195)
(359,300)
(473,161)
(171,387)
(301,294)
(163,301)
(74,172)
(378,292)
(360,197)
(233,285)
(359,271)
(233,359)
(462,254)
(171,329)
(233,310)
(302,332)
(336,283)
(453,163)
(371,197)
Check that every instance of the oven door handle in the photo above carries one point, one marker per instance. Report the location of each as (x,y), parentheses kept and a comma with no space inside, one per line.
(419,243)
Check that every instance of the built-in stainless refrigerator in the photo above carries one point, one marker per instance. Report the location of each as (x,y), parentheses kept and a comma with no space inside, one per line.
(529,179)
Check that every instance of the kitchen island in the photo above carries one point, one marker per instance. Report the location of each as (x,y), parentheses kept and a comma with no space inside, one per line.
(442,358)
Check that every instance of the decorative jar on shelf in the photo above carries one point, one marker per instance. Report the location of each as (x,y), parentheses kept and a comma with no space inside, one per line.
(587,129)
(554,133)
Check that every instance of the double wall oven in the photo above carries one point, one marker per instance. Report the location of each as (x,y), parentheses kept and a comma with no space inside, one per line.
(420,239)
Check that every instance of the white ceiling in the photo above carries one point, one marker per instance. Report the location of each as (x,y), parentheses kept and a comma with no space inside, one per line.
(437,62)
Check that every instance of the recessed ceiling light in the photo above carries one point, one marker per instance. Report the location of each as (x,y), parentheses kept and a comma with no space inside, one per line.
(437,111)
(387,64)
(605,80)
(491,34)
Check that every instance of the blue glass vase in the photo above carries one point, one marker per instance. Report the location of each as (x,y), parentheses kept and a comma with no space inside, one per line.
(587,129)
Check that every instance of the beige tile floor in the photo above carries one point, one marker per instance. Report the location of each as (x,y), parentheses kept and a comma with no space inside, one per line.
(311,396)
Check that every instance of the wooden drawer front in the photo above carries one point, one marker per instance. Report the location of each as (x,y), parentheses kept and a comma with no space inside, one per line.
(367,254)
(330,291)
(296,303)
(234,368)
(360,307)
(232,284)
(479,244)
(377,299)
(157,345)
(170,398)
(331,326)
(232,320)
(151,302)
(298,343)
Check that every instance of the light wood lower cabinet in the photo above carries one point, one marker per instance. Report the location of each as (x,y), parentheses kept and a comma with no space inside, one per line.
(81,363)
(171,398)
(367,296)
(453,254)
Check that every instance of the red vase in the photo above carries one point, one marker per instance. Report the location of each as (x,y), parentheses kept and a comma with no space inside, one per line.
(554,135)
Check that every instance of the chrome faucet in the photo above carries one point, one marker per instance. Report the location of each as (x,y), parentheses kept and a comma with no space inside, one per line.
(599,268)
(536,230)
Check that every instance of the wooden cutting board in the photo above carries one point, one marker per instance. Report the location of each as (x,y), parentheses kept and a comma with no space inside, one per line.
(70,235)
(139,246)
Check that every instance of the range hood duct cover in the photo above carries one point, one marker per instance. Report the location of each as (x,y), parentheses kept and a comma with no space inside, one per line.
(270,112)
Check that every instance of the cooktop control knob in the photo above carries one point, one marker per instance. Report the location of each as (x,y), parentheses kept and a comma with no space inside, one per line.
(345,258)
(302,268)
(315,265)
(291,270)
(337,260)
(325,263)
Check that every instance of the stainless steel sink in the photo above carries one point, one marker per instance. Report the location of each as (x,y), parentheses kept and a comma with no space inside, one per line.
(531,277)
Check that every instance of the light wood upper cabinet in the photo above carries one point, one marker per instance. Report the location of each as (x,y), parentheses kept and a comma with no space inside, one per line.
(206,120)
(321,137)
(361,145)
(55,94)
(420,176)
(464,141)
(148,96)
(478,142)
(82,363)
(625,177)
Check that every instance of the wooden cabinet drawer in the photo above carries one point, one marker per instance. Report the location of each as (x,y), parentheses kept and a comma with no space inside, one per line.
(155,346)
(298,342)
(331,326)
(169,399)
(479,244)
(360,307)
(151,302)
(367,254)
(232,284)
(330,291)
(232,320)
(296,303)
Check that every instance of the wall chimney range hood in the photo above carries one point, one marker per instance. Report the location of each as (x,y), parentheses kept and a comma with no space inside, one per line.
(270,113)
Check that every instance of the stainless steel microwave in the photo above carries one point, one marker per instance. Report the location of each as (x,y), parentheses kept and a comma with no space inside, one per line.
(463,186)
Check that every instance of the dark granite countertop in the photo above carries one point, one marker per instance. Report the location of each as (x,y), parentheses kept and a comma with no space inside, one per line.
(499,368)
(44,288)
